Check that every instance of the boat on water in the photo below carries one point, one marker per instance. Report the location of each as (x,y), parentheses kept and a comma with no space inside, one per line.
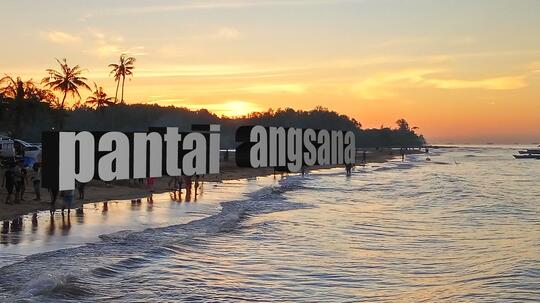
(527,156)
(535,151)
(531,153)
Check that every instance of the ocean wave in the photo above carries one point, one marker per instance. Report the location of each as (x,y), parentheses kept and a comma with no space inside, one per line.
(125,250)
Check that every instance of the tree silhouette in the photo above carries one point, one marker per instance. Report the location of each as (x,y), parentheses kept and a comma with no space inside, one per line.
(67,80)
(403,125)
(99,99)
(124,68)
(22,101)
(20,108)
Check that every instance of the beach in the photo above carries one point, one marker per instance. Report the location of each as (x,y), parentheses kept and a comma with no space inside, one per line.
(97,191)
(462,225)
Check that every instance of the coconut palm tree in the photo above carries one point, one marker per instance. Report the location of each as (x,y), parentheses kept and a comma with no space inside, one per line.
(124,68)
(16,88)
(99,99)
(67,81)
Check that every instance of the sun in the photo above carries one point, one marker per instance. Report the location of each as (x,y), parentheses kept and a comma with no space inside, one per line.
(238,108)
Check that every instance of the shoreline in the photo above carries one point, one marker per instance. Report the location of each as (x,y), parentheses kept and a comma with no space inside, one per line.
(97,191)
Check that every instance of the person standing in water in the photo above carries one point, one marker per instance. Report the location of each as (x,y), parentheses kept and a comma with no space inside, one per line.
(35,177)
(68,200)
(348,169)
(54,195)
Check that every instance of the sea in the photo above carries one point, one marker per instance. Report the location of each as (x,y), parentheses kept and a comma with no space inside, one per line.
(460,224)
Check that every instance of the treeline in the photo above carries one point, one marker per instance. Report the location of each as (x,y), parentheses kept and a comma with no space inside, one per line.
(28,108)
(27,117)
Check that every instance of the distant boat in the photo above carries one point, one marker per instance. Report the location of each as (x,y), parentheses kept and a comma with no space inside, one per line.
(535,151)
(531,153)
(528,156)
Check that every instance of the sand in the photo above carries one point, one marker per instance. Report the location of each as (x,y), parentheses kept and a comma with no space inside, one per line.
(97,191)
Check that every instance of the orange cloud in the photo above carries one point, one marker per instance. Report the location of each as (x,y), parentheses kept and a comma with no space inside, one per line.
(385,85)
(61,37)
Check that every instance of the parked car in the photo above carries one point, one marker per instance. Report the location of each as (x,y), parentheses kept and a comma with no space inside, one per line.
(7,147)
(30,152)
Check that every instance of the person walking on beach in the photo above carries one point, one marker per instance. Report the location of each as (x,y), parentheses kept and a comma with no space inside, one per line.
(54,195)
(19,182)
(364,156)
(80,188)
(402,151)
(35,177)
(24,181)
(348,169)
(197,177)
(150,181)
(9,183)
(68,200)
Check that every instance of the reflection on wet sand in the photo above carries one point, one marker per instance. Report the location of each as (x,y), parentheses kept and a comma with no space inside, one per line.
(79,214)
(12,232)
(66,225)
(34,223)
(41,232)
(52,228)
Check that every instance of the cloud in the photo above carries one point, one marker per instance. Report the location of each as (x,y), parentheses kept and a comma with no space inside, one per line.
(208,70)
(110,45)
(228,33)
(62,37)
(108,50)
(275,88)
(534,67)
(211,5)
(85,17)
(498,83)
(386,85)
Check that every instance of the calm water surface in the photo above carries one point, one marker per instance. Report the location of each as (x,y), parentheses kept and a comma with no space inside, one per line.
(463,227)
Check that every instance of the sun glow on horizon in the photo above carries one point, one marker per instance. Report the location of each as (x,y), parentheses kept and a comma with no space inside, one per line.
(230,109)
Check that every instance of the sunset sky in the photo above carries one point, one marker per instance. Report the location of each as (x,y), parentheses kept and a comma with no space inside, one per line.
(462,71)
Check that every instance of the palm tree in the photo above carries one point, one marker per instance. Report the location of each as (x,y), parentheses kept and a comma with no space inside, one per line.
(67,80)
(99,99)
(120,71)
(16,88)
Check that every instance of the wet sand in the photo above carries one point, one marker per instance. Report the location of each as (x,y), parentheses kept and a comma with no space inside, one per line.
(97,191)
(40,232)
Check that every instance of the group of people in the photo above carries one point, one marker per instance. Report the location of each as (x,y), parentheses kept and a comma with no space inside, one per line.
(176,182)
(17,177)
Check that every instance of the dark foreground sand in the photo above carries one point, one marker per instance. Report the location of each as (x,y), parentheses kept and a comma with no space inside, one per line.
(97,191)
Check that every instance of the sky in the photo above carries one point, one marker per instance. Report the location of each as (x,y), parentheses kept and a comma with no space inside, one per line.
(461,71)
